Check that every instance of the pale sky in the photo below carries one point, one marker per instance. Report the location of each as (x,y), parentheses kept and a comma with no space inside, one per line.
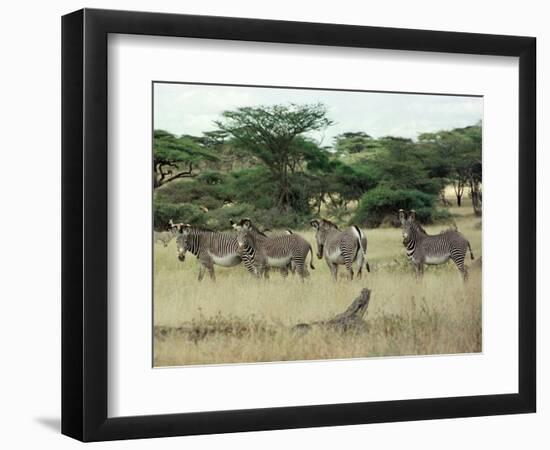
(192,109)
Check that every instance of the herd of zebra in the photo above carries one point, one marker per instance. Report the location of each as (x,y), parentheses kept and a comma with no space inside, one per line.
(288,251)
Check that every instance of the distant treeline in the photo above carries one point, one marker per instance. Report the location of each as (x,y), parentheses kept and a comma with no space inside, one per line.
(260,163)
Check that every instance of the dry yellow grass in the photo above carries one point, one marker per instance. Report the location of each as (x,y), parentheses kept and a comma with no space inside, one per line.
(250,320)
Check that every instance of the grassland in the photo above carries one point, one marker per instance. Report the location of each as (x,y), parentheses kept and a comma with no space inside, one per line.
(240,319)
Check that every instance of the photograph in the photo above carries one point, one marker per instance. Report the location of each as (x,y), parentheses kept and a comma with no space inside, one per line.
(295,224)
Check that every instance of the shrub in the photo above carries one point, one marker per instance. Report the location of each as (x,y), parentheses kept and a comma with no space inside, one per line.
(219,219)
(380,203)
(186,213)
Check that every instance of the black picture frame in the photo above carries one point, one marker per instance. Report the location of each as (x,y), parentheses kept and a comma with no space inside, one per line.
(84,224)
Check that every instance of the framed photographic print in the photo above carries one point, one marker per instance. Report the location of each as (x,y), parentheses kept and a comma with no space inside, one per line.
(273,224)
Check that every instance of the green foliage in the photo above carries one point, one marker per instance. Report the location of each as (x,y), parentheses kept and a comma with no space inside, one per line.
(272,134)
(353,142)
(382,204)
(173,156)
(405,165)
(186,213)
(208,191)
(219,219)
(254,186)
(456,154)
(262,163)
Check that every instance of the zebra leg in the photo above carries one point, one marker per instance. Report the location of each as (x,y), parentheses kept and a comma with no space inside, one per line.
(349,266)
(202,269)
(211,272)
(419,269)
(461,268)
(292,268)
(298,264)
(465,273)
(333,270)
(360,259)
(206,263)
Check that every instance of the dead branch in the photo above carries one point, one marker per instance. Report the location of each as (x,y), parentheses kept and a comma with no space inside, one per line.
(350,320)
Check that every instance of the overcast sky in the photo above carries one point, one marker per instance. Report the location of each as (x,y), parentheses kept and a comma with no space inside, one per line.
(192,109)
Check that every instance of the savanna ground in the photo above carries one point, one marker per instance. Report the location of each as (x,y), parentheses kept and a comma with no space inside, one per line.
(239,319)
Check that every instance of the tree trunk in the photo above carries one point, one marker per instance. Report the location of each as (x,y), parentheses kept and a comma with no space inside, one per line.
(284,188)
(350,320)
(459,191)
(476,197)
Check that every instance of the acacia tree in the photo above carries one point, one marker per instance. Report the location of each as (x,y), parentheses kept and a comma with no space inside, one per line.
(352,142)
(271,134)
(459,151)
(174,157)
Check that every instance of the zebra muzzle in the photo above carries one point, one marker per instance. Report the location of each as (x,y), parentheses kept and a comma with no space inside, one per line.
(320,252)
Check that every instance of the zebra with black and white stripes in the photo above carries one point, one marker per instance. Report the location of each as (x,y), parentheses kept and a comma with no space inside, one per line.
(340,247)
(281,251)
(210,248)
(423,248)
(166,236)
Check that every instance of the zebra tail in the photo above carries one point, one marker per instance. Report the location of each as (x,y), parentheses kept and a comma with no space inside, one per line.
(367,266)
(311,260)
(471,254)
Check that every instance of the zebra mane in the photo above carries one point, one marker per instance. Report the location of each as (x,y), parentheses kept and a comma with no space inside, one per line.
(252,227)
(257,230)
(330,224)
(196,228)
(419,227)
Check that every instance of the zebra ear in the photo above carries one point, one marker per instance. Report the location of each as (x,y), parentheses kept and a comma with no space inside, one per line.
(314,223)
(246,223)
(181,227)
(233,224)
(412,215)
(402,216)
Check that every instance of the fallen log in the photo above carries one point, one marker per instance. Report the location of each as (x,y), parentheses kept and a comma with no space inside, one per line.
(350,320)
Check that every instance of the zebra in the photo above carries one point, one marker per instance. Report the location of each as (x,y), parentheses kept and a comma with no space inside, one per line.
(423,248)
(167,235)
(210,248)
(341,247)
(164,237)
(267,233)
(280,250)
(291,267)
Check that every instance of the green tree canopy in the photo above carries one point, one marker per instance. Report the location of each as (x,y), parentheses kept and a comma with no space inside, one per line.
(458,152)
(271,134)
(174,156)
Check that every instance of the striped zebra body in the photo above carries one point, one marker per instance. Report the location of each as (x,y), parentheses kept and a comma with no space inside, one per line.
(211,248)
(422,248)
(340,247)
(282,251)
(291,267)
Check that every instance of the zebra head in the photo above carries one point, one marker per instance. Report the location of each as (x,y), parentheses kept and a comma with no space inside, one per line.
(323,227)
(408,225)
(181,240)
(244,234)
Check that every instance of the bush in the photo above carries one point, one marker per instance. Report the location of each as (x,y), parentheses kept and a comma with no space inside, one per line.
(253,186)
(194,191)
(186,213)
(219,219)
(381,203)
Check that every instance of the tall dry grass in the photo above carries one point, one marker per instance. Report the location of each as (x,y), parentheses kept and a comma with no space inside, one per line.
(242,319)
